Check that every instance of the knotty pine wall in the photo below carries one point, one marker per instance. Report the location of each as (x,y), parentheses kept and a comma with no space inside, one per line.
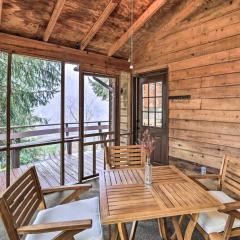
(203,57)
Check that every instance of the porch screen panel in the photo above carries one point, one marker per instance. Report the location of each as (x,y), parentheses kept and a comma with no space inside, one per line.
(35,114)
(71,122)
(125,108)
(3,119)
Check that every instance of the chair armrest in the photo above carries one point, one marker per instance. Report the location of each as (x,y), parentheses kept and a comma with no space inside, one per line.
(204,176)
(83,187)
(56,226)
(228,207)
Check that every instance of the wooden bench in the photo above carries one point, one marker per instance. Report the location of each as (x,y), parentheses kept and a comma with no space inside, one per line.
(20,202)
(210,225)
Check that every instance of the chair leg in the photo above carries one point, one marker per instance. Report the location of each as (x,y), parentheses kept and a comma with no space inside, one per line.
(191,226)
(180,222)
(114,233)
(177,228)
(122,231)
(162,228)
(133,230)
(228,227)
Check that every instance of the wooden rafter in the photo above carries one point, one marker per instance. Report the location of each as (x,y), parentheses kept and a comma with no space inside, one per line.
(183,12)
(154,7)
(98,24)
(56,13)
(36,48)
(1,4)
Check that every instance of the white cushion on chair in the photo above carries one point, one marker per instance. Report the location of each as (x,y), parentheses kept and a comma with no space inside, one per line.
(78,210)
(214,222)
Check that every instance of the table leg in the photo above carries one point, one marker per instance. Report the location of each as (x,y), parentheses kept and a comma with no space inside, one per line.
(133,230)
(122,231)
(163,229)
(114,232)
(191,226)
(177,228)
(180,222)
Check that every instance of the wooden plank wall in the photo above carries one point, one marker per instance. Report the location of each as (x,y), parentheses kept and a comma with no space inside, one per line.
(203,57)
(125,107)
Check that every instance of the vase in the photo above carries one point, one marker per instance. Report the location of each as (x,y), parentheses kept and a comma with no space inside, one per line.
(148,172)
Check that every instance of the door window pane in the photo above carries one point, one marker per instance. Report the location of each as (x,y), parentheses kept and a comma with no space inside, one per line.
(158,119)
(159,89)
(145,118)
(152,119)
(152,105)
(152,91)
(159,104)
(145,104)
(145,90)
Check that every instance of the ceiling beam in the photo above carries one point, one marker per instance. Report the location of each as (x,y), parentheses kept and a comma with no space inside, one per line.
(154,7)
(29,47)
(1,4)
(53,20)
(98,24)
(182,13)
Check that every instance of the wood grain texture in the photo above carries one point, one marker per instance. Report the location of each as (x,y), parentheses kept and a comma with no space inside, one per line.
(99,23)
(125,198)
(1,4)
(53,20)
(146,16)
(20,202)
(202,55)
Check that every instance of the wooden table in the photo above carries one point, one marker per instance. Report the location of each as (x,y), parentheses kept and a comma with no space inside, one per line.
(124,198)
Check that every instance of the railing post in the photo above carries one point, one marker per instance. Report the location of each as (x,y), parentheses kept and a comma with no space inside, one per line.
(100,131)
(69,144)
(15,154)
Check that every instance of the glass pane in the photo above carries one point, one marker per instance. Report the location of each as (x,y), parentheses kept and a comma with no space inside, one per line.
(71,120)
(152,90)
(159,89)
(145,118)
(99,105)
(152,104)
(35,115)
(159,104)
(35,99)
(158,119)
(145,104)
(3,92)
(145,90)
(152,119)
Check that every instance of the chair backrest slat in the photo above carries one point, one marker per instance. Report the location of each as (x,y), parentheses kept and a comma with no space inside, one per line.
(125,156)
(231,175)
(20,201)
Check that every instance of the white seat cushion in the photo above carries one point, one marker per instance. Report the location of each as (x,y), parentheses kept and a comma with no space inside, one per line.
(78,210)
(214,222)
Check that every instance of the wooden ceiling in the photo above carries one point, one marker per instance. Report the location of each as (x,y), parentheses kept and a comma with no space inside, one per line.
(69,24)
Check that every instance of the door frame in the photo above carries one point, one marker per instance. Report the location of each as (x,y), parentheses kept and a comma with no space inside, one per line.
(137,106)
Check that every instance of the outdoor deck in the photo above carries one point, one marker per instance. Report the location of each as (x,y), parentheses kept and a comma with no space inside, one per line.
(49,170)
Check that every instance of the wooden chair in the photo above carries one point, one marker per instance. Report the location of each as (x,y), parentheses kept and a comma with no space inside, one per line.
(225,223)
(70,220)
(124,157)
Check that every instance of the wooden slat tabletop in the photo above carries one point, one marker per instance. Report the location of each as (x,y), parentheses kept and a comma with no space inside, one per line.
(125,198)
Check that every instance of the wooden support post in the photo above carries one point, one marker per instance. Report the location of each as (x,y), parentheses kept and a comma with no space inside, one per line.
(69,144)
(94,159)
(15,158)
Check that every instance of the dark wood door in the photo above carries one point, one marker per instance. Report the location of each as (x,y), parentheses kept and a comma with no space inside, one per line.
(153,113)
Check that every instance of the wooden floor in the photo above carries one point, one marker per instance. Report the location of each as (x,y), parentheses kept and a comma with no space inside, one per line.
(48,170)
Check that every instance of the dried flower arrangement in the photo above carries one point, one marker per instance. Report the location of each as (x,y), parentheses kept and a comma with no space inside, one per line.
(147,143)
